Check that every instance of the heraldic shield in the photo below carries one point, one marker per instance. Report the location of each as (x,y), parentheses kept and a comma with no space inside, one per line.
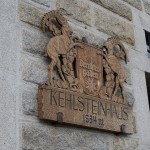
(89,69)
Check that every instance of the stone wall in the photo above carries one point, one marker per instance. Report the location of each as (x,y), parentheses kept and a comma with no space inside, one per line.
(23,67)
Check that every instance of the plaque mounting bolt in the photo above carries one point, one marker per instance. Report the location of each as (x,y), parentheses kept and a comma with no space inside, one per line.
(123,128)
(60,117)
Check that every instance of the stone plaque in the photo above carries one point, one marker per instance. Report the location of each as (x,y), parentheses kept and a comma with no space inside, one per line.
(85,83)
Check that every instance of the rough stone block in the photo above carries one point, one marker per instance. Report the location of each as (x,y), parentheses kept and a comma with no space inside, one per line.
(8,46)
(8,10)
(30,14)
(127,68)
(43,2)
(93,38)
(34,69)
(125,143)
(47,137)
(135,3)
(147,6)
(34,41)
(141,104)
(116,6)
(140,39)
(112,25)
(29,94)
(128,75)
(145,147)
(129,96)
(8,99)
(139,60)
(76,9)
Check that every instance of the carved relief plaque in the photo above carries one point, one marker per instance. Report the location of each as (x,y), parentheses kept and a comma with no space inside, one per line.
(85,83)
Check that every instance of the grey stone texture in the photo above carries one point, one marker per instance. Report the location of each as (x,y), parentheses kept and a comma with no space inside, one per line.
(77,9)
(128,75)
(34,69)
(129,95)
(142,107)
(112,25)
(48,137)
(8,9)
(43,2)
(127,68)
(8,98)
(29,94)
(125,143)
(140,44)
(147,6)
(34,41)
(8,75)
(30,14)
(8,46)
(116,6)
(93,38)
(97,17)
(145,147)
(139,61)
(135,3)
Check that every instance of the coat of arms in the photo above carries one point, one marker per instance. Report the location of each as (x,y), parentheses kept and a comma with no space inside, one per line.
(82,69)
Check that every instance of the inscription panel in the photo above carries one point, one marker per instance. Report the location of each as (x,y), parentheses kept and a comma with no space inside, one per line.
(69,107)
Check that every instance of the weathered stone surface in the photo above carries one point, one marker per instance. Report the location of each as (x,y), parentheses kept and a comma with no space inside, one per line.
(135,3)
(8,75)
(114,26)
(43,2)
(142,107)
(127,69)
(116,6)
(129,96)
(8,100)
(140,42)
(8,9)
(147,6)
(29,98)
(77,9)
(30,14)
(34,41)
(139,61)
(93,38)
(34,69)
(8,46)
(47,137)
(128,75)
(125,143)
(145,147)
